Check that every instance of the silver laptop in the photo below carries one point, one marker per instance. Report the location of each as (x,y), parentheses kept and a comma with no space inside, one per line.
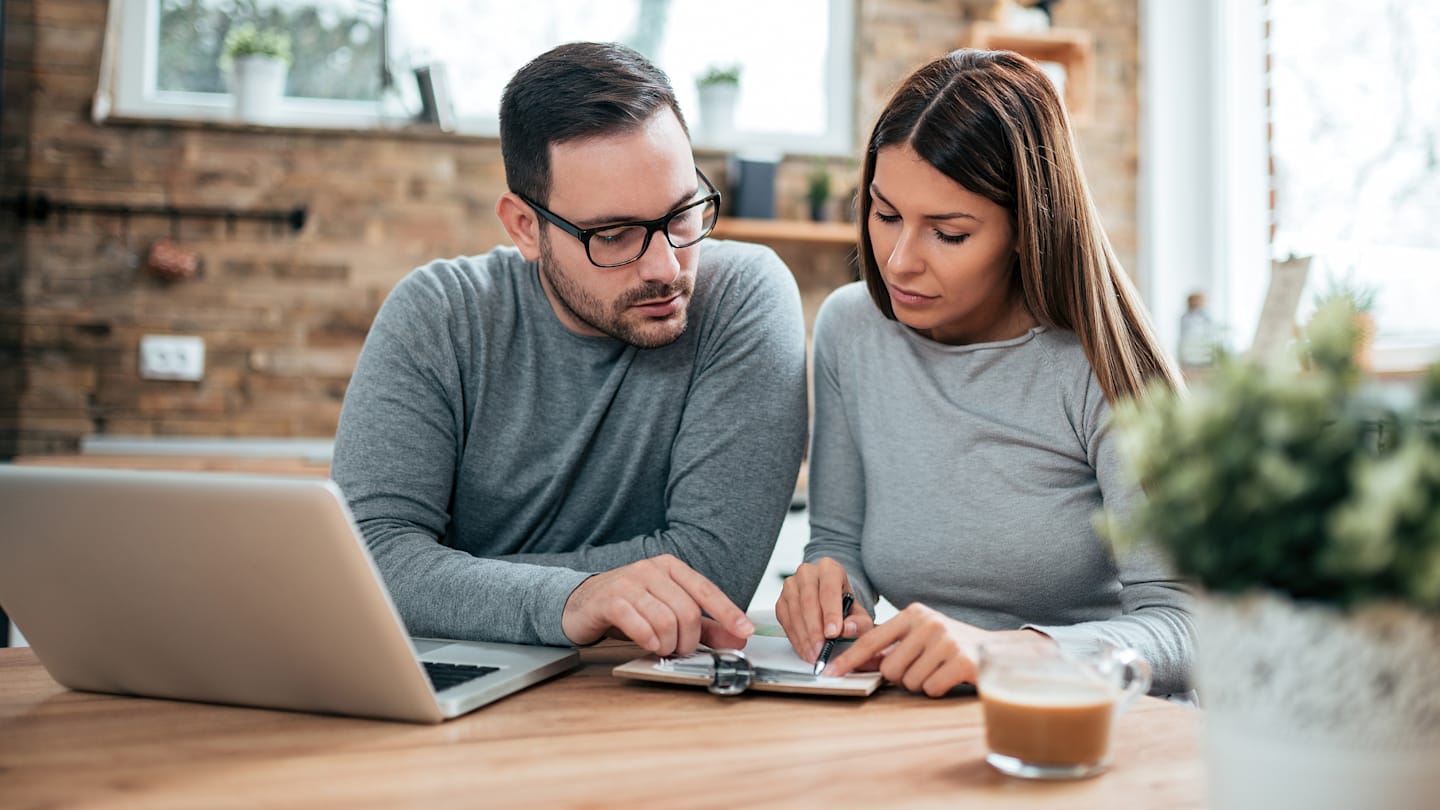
(232,589)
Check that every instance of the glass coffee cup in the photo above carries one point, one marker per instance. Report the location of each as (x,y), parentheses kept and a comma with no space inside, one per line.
(1049,714)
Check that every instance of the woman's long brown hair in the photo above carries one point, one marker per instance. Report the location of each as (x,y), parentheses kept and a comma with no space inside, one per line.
(992,122)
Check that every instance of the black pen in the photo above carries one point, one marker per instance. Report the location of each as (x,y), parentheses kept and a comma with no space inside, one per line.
(829,649)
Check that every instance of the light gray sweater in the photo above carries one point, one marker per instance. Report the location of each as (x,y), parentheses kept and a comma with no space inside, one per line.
(967,478)
(492,457)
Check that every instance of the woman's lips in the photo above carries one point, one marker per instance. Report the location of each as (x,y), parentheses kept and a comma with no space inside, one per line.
(904,296)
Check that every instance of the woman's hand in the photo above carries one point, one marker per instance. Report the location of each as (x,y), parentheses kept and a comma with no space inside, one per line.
(921,650)
(809,608)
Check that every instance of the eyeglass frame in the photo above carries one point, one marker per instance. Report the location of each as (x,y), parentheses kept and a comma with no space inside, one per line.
(651,226)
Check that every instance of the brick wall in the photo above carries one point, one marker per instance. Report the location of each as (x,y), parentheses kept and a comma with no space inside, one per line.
(896,36)
(283,316)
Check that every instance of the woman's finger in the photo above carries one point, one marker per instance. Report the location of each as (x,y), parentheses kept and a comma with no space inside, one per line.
(867,647)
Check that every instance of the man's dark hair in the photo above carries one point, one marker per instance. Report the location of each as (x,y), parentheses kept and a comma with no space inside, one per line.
(577,90)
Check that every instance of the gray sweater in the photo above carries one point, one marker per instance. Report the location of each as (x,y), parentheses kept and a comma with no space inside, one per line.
(492,457)
(967,478)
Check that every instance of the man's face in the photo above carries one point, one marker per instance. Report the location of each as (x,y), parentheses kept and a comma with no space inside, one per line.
(639,175)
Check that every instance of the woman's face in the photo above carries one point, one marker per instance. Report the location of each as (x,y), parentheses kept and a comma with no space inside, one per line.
(944,252)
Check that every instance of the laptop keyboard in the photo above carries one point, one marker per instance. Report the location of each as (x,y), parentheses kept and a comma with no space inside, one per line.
(445,676)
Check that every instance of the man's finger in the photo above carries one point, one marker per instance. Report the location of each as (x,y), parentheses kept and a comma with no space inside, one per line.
(624,617)
(714,635)
(662,619)
(683,609)
(711,599)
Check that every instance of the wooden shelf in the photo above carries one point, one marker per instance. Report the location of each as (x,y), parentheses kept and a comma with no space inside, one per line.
(260,465)
(1072,48)
(766,231)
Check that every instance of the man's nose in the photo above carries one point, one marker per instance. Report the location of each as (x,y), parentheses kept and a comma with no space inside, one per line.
(658,262)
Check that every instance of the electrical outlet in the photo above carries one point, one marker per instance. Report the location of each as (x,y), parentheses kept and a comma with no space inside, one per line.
(172,357)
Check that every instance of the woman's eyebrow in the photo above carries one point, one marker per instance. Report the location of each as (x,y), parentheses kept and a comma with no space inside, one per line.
(875,192)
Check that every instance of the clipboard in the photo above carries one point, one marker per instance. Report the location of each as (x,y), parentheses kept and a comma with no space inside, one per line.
(767,664)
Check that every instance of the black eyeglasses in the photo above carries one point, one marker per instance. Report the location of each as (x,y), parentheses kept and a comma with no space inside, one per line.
(624,242)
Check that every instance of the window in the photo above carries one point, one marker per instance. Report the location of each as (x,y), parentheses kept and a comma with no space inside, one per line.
(163,59)
(796,58)
(1354,141)
(1357,153)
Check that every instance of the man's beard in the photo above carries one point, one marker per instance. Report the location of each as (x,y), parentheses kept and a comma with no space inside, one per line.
(617,319)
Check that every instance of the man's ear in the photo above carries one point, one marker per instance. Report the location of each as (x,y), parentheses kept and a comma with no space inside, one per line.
(521,223)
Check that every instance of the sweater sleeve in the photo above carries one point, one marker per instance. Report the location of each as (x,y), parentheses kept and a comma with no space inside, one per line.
(395,458)
(735,459)
(1156,618)
(837,474)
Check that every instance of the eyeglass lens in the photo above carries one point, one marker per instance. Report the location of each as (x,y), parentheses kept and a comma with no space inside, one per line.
(622,245)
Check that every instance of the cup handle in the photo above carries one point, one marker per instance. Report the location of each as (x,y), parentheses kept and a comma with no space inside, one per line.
(1137,677)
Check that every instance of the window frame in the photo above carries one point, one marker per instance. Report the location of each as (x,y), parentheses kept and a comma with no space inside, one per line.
(1204,182)
(127,82)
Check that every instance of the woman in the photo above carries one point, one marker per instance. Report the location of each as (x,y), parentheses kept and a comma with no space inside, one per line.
(962,445)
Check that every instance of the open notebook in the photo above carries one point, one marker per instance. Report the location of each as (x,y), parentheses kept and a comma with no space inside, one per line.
(774,664)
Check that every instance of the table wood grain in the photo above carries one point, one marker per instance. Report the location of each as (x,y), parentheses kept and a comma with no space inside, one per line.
(584,739)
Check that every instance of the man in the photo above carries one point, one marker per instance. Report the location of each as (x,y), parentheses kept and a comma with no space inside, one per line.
(598,429)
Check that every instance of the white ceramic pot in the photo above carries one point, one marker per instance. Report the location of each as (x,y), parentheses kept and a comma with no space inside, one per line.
(1306,706)
(717,111)
(259,84)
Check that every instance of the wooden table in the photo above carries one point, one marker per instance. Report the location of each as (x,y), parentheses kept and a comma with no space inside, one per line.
(584,739)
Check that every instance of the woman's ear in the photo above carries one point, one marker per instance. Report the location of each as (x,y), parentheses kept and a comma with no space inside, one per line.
(521,223)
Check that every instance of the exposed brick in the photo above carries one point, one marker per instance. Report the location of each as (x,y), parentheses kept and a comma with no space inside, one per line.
(284,315)
(310,272)
(89,13)
(338,363)
(75,45)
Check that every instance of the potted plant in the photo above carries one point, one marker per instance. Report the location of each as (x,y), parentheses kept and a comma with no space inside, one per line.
(817,190)
(1361,299)
(1306,506)
(258,60)
(719,89)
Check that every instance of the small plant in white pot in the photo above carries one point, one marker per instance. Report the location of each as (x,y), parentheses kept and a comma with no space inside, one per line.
(258,60)
(1361,297)
(1306,505)
(719,90)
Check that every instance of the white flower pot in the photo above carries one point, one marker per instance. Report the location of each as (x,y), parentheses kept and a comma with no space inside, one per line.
(717,111)
(259,84)
(1306,706)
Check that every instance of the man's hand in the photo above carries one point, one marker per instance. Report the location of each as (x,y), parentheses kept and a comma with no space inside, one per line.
(660,603)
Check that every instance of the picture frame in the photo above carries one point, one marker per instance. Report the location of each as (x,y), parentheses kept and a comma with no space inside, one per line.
(437,107)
